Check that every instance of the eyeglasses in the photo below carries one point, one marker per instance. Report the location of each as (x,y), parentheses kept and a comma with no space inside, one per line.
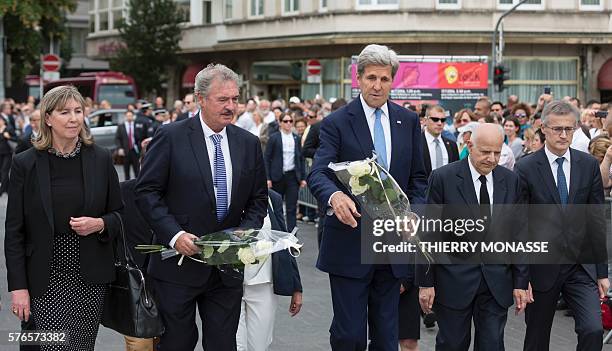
(287,121)
(560,130)
(436,119)
(188,102)
(520,115)
(312,116)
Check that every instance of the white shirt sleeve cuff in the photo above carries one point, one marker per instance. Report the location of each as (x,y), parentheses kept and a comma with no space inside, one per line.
(175,238)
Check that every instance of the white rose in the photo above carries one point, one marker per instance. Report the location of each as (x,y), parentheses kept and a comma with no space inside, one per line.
(245,255)
(224,246)
(262,248)
(359,168)
(356,188)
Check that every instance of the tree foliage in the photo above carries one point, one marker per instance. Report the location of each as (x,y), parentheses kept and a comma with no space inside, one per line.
(30,24)
(150,42)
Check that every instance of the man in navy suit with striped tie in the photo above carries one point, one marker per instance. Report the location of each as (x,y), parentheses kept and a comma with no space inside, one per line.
(363,293)
(201,175)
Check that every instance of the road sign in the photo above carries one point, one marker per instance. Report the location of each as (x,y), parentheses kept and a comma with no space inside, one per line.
(51,76)
(51,63)
(313,67)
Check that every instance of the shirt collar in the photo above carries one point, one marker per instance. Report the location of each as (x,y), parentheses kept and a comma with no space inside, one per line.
(369,111)
(476,175)
(552,158)
(208,132)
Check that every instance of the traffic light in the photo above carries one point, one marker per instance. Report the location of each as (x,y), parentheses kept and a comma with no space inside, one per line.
(500,75)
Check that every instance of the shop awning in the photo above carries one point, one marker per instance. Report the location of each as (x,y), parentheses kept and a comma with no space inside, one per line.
(604,78)
(190,73)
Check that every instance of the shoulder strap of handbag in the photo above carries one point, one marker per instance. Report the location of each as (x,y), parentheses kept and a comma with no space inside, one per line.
(127,257)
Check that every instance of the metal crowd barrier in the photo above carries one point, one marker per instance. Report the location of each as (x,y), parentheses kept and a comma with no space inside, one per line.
(305,197)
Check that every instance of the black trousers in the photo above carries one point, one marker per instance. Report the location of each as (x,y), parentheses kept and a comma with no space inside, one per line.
(219,308)
(455,326)
(131,159)
(582,296)
(5,167)
(288,187)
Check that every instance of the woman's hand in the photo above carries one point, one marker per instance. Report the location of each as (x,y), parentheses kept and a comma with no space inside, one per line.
(296,303)
(20,305)
(86,225)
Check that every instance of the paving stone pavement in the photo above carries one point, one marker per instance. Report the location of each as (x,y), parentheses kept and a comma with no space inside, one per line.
(308,331)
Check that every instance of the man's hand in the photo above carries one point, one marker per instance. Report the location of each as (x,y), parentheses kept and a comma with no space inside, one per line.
(603,285)
(84,226)
(402,289)
(303,184)
(296,303)
(269,184)
(20,304)
(345,209)
(520,300)
(426,299)
(185,246)
(530,294)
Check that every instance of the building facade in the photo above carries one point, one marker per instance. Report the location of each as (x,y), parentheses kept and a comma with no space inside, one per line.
(565,44)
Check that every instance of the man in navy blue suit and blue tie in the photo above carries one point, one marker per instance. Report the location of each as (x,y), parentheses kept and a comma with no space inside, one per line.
(201,175)
(365,294)
(570,182)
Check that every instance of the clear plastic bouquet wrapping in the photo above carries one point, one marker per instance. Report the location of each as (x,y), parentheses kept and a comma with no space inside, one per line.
(377,193)
(231,249)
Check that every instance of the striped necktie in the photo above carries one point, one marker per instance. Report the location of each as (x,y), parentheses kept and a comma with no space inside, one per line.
(380,144)
(561,181)
(220,180)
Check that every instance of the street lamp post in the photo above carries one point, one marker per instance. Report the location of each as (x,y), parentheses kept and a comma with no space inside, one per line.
(494,46)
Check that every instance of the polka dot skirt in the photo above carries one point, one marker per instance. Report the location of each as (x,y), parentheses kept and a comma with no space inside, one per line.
(69,304)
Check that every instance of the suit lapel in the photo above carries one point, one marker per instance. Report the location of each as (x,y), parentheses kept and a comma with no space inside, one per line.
(88,160)
(198,145)
(547,176)
(44,181)
(360,127)
(575,176)
(396,139)
(499,191)
(237,155)
(426,158)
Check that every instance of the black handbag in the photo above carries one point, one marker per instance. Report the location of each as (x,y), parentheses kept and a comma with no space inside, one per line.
(129,307)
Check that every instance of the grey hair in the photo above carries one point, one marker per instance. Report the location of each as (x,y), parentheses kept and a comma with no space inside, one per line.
(477,131)
(560,108)
(377,55)
(205,77)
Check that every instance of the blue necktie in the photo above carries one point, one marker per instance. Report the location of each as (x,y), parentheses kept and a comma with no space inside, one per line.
(220,180)
(561,182)
(380,144)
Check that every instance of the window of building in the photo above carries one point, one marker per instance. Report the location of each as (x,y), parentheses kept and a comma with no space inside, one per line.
(207,12)
(257,8)
(529,5)
(106,15)
(322,5)
(377,4)
(185,7)
(78,37)
(591,5)
(291,7)
(228,9)
(448,4)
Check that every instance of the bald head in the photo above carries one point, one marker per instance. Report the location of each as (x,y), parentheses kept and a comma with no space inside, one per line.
(488,133)
(485,147)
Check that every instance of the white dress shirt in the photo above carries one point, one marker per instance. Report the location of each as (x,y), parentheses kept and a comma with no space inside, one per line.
(506,159)
(552,161)
(210,148)
(580,141)
(431,145)
(288,151)
(476,182)
(386,124)
(245,121)
(269,117)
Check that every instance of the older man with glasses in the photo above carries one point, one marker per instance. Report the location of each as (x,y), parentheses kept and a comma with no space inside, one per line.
(191,106)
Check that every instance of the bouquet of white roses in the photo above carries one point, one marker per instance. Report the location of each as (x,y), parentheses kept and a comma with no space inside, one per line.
(232,249)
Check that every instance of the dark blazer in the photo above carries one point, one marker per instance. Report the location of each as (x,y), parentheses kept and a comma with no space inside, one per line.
(28,244)
(5,148)
(285,273)
(184,115)
(137,229)
(273,158)
(451,149)
(175,192)
(566,230)
(311,144)
(345,136)
(456,284)
(25,142)
(122,140)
